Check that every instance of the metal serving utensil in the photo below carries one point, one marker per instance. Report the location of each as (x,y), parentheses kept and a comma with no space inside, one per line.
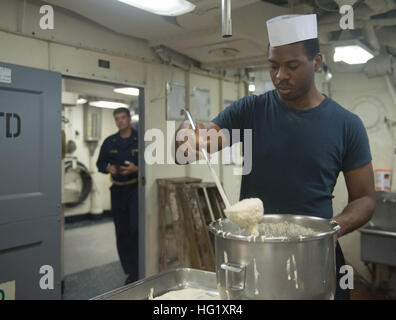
(213,172)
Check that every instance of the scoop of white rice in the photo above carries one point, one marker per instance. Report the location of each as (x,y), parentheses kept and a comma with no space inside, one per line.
(246,213)
(284,229)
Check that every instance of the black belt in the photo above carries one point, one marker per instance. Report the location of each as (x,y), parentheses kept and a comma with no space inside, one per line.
(123,183)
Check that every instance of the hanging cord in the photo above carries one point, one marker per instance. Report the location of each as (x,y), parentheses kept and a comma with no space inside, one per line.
(161,96)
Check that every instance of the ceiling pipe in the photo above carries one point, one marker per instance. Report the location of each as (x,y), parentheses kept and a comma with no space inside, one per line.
(341,3)
(359,24)
(331,21)
(372,37)
(362,13)
(380,6)
(226,21)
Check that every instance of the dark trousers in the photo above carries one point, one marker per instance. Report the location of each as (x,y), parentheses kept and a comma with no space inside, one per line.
(124,207)
(341,294)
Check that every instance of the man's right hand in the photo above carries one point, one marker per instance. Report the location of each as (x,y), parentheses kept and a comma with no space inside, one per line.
(193,141)
(112,169)
(193,136)
(185,135)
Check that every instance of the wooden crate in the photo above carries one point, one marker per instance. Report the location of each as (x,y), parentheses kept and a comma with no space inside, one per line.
(173,252)
(212,204)
(186,208)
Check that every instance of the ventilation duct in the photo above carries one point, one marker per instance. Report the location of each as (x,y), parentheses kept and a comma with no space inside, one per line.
(380,66)
(383,66)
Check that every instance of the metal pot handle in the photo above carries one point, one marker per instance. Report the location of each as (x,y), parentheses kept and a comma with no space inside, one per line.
(335,225)
(235,276)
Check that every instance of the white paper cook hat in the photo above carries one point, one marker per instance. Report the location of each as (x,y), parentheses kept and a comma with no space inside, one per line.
(292,28)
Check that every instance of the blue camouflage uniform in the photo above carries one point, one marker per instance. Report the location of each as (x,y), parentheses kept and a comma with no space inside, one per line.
(124,197)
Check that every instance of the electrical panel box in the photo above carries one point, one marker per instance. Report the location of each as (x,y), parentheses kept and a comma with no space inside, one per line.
(175,101)
(200,104)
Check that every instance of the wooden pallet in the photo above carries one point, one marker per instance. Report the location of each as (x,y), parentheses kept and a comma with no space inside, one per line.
(186,207)
(211,205)
(172,251)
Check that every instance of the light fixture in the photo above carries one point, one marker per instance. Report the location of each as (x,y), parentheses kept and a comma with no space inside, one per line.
(252,87)
(329,75)
(162,7)
(108,104)
(352,54)
(127,91)
(135,117)
(81,101)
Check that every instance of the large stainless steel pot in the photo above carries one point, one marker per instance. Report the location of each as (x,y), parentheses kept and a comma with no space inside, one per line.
(302,267)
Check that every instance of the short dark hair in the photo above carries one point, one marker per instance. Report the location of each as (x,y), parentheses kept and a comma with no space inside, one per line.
(121,110)
(311,47)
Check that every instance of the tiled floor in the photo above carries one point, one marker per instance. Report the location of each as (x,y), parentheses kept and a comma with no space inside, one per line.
(88,247)
(91,263)
(93,282)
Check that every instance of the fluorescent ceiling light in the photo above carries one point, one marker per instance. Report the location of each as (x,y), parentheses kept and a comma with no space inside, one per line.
(162,7)
(108,104)
(354,54)
(127,91)
(81,101)
(252,88)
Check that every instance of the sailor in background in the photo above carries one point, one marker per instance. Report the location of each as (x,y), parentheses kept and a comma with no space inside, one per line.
(119,157)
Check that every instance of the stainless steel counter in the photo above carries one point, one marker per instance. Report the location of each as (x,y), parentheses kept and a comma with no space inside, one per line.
(378,237)
(163,283)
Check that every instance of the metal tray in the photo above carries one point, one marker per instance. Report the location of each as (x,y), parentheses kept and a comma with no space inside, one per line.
(162,283)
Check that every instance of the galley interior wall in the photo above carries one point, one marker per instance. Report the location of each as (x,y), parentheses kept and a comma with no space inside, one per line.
(75,46)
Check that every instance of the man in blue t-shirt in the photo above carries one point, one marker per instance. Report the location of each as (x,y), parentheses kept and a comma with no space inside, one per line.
(301,141)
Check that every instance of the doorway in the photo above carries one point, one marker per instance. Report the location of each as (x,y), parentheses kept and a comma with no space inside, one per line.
(90,261)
